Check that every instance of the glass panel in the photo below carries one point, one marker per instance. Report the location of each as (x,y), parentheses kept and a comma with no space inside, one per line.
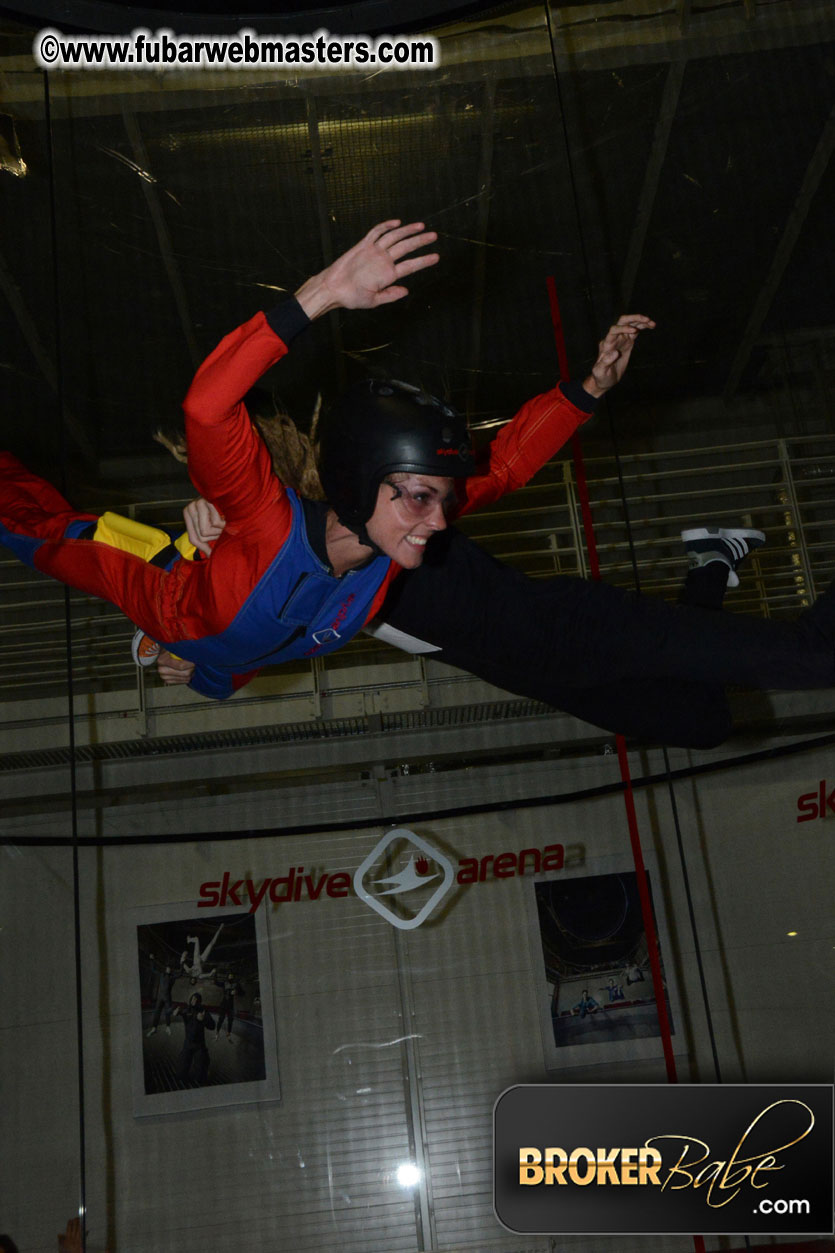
(575,161)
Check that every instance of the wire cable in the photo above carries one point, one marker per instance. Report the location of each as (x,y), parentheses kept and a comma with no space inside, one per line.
(76,882)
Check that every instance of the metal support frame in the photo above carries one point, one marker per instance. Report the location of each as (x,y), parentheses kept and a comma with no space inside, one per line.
(44,361)
(798,538)
(485,178)
(152,200)
(782,255)
(576,524)
(142,703)
(316,671)
(652,178)
(323,219)
(423,679)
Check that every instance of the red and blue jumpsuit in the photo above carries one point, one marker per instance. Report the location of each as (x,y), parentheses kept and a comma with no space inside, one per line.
(264,596)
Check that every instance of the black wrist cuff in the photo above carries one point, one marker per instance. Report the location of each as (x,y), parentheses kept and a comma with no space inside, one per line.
(288,320)
(577,394)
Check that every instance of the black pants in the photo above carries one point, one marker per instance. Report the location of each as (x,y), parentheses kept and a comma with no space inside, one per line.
(628,663)
(193,1063)
(163,1003)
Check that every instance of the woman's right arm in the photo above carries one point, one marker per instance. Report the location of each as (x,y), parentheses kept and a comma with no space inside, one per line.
(228,462)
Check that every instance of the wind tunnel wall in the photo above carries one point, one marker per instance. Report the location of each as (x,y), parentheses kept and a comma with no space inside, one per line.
(673,161)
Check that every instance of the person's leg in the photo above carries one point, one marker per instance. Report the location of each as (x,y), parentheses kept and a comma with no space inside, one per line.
(451,602)
(712,545)
(624,635)
(562,633)
(207,950)
(32,506)
(45,532)
(704,586)
(184,1063)
(201,1069)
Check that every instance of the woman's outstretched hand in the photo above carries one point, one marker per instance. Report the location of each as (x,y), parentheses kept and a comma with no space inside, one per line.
(370,274)
(614,352)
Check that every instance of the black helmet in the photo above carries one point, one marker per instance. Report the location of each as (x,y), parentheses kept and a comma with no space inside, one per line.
(379,427)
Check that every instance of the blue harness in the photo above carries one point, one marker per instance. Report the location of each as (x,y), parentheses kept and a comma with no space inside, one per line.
(297,609)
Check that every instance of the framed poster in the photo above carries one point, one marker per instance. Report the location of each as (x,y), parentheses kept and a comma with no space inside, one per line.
(591,961)
(203,1029)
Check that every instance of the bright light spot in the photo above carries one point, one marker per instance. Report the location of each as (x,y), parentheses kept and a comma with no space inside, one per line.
(791,933)
(408,1175)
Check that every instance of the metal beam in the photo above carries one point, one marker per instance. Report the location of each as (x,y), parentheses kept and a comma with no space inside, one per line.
(45,363)
(791,233)
(652,177)
(602,36)
(152,200)
(323,218)
(485,192)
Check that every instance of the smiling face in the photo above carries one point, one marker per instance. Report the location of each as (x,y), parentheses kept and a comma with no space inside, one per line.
(410,509)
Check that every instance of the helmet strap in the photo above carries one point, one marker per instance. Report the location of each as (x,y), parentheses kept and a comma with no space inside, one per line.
(364,538)
(359,529)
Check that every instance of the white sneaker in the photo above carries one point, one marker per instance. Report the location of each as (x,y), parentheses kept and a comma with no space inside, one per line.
(143,649)
(730,545)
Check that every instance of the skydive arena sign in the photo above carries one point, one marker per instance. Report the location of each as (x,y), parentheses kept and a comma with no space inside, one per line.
(643,1159)
(403,878)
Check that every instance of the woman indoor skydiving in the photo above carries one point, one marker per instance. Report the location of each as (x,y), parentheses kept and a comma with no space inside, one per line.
(289,578)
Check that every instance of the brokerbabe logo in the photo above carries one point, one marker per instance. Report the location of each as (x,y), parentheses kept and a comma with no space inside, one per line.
(633,1159)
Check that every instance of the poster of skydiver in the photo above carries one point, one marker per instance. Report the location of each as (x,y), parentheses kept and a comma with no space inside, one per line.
(204,1022)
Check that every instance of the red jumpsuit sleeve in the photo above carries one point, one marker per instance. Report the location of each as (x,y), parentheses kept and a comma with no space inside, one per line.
(228,461)
(524,444)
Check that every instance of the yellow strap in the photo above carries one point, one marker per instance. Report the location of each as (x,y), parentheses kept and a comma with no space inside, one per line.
(131,536)
(185,547)
(138,538)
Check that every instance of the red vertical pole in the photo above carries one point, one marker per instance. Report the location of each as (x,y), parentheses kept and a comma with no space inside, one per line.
(623,760)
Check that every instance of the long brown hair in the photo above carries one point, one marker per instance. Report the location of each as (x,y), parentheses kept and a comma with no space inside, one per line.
(292,452)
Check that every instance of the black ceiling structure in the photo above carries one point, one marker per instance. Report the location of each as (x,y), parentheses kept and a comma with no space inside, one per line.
(155,214)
